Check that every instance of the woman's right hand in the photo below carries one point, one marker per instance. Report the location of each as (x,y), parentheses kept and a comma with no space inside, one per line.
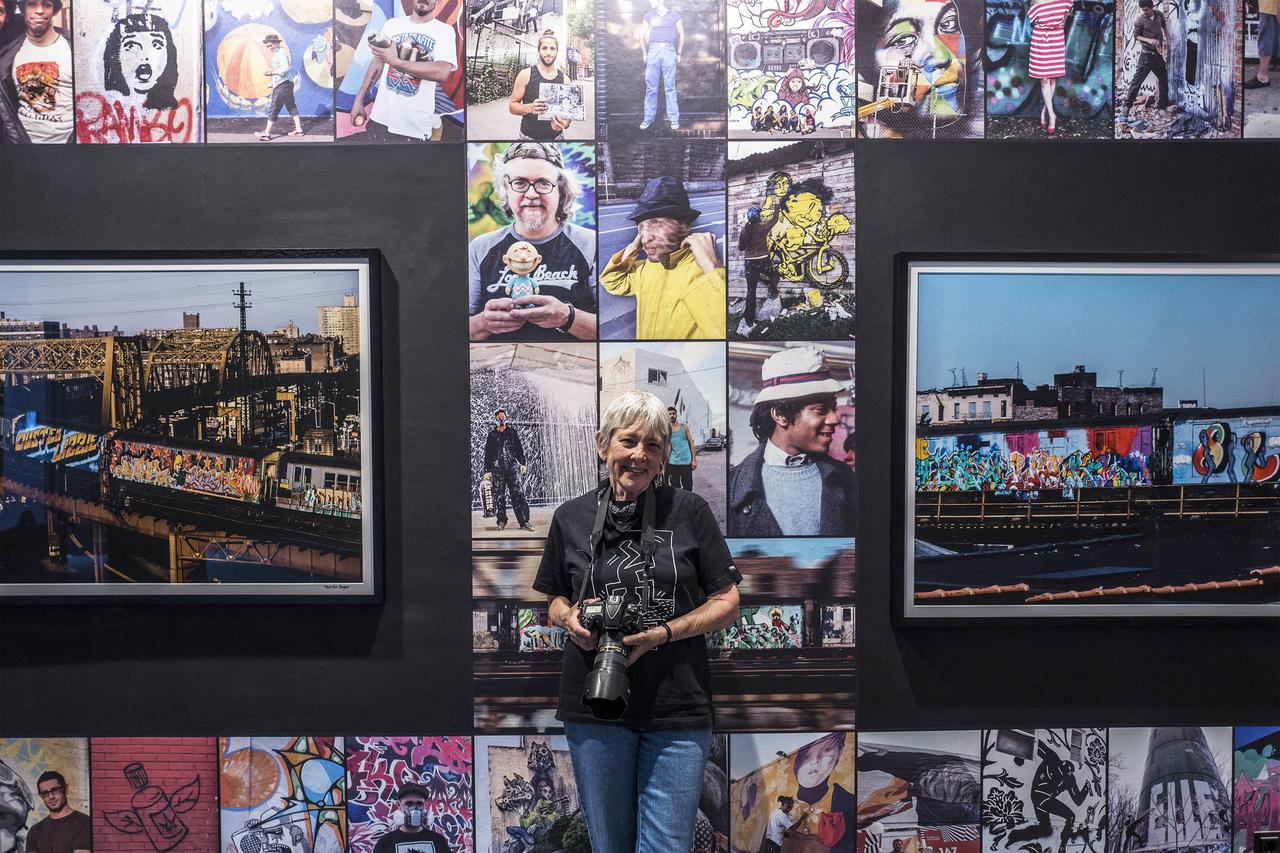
(565,615)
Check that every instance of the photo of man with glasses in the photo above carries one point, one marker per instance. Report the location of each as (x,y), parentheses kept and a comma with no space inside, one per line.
(64,830)
(539,194)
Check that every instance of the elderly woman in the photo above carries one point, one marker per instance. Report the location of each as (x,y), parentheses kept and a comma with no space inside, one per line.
(639,776)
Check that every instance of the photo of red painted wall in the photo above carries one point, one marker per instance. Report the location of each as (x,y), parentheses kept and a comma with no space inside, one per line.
(154,795)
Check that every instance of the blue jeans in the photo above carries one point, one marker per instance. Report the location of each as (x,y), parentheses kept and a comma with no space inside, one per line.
(660,67)
(639,791)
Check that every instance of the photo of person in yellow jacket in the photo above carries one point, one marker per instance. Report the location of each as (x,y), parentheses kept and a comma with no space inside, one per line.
(680,286)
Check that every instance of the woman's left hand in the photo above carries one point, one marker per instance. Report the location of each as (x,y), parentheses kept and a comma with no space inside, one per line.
(643,642)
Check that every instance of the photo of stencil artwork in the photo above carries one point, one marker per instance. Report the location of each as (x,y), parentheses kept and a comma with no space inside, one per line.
(791,439)
(920,69)
(660,68)
(919,791)
(138,72)
(788,662)
(270,71)
(41,778)
(689,377)
(1045,790)
(662,248)
(527,798)
(155,795)
(1049,59)
(791,69)
(1169,790)
(1178,68)
(791,240)
(287,793)
(533,410)
(1256,771)
(1011,435)
(519,52)
(399,789)
(543,195)
(807,777)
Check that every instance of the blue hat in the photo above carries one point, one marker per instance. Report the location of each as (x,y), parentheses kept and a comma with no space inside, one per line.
(663,196)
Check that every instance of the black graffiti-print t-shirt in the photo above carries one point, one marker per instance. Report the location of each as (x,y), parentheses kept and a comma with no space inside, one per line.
(671,684)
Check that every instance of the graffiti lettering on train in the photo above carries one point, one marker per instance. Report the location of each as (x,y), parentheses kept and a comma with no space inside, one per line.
(1043,459)
(1229,450)
(186,470)
(768,626)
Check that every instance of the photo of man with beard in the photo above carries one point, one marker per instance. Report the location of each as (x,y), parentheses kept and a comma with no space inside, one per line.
(540,194)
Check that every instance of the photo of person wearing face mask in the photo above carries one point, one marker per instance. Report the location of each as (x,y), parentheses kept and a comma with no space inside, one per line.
(413,834)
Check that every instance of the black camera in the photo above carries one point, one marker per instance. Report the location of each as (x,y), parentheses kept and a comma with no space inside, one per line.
(608,688)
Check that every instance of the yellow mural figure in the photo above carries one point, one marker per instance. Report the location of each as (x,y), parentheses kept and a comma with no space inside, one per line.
(800,242)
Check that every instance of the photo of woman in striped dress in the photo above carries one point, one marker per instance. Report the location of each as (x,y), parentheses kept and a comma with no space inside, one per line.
(1048,19)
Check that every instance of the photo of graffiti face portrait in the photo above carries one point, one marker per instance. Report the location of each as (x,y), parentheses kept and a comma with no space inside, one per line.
(141,60)
(919,69)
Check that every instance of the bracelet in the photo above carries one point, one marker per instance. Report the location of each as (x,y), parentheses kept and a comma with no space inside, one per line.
(668,630)
(568,324)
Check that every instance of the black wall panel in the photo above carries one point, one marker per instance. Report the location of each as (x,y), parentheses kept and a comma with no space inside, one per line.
(404,666)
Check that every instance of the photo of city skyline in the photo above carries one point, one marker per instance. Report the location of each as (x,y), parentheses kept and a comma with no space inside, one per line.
(1088,440)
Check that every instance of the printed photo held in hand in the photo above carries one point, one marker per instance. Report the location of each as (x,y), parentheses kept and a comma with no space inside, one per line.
(920,69)
(530,70)
(792,791)
(399,71)
(791,440)
(1178,70)
(661,69)
(690,379)
(36,74)
(270,72)
(532,221)
(791,209)
(791,70)
(1049,61)
(662,233)
(532,411)
(920,791)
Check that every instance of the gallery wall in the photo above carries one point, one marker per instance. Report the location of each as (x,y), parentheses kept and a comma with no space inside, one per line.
(405,665)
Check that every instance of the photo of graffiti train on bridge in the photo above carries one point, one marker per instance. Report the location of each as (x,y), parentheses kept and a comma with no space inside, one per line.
(183,449)
(1152,507)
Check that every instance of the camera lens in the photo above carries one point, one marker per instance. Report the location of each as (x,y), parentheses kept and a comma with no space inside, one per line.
(608,688)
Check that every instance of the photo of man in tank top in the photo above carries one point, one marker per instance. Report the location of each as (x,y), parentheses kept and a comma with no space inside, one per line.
(525,101)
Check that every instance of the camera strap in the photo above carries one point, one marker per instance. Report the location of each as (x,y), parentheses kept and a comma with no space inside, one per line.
(648,536)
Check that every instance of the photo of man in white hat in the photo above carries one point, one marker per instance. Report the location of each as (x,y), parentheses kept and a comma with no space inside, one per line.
(789,486)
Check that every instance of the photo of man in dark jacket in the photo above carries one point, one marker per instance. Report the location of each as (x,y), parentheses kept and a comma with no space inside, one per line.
(789,486)
(504,464)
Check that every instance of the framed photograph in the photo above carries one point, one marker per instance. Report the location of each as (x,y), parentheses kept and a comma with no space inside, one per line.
(199,425)
(1087,436)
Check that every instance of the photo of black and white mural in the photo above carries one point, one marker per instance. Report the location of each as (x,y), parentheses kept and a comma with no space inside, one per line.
(1045,790)
(919,791)
(189,427)
(1082,474)
(1169,790)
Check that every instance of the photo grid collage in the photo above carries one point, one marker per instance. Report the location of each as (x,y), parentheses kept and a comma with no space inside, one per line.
(634,71)
(1185,789)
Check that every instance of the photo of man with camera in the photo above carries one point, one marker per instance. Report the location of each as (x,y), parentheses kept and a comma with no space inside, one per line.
(637,573)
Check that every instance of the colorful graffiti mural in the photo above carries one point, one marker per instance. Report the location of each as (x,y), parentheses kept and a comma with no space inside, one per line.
(55,445)
(819,776)
(1044,789)
(536,633)
(138,72)
(530,793)
(919,791)
(1227,450)
(809,220)
(22,760)
(222,475)
(1203,67)
(1256,769)
(1085,91)
(1077,457)
(237,61)
(765,626)
(790,68)
(378,766)
(283,794)
(484,206)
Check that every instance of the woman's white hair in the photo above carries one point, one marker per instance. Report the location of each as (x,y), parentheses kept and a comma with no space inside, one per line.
(637,408)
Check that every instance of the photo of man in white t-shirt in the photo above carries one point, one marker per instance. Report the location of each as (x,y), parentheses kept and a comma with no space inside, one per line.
(422,53)
(35,73)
